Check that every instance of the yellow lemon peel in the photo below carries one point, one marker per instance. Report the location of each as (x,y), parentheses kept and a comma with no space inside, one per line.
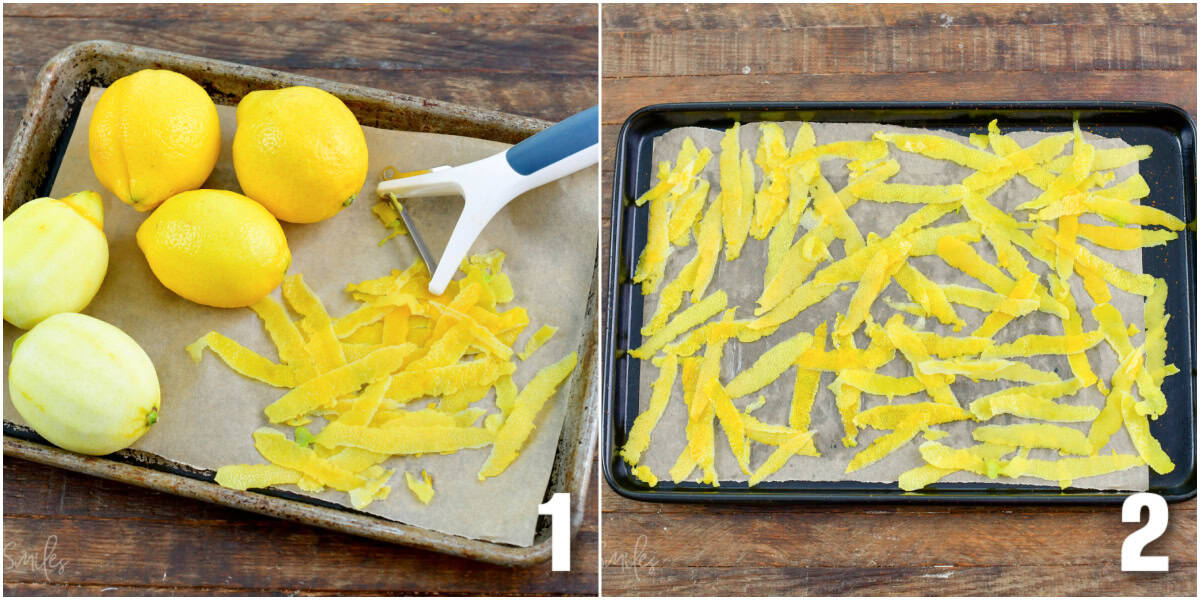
(520,422)
(422,489)
(639,435)
(539,339)
(1035,435)
(243,360)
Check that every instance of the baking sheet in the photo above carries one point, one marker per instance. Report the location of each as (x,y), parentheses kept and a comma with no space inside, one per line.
(208,411)
(742,281)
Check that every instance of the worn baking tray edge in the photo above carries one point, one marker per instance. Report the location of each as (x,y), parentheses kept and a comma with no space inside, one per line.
(29,170)
(862,491)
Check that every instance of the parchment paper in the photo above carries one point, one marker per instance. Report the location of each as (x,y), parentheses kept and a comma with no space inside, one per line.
(742,280)
(208,411)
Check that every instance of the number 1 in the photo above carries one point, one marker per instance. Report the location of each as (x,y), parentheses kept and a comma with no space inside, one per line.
(559,509)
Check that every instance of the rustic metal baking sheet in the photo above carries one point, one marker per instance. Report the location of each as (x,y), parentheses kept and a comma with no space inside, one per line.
(48,123)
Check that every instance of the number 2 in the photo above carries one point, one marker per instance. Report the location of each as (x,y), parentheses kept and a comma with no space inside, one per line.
(1156,524)
(559,509)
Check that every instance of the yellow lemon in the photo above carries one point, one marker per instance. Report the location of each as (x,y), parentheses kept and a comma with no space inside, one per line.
(55,257)
(83,384)
(300,152)
(215,247)
(152,135)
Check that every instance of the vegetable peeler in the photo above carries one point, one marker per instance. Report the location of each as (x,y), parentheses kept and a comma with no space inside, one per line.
(489,184)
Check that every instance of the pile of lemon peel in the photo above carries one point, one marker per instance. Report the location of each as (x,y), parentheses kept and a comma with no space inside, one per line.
(364,371)
(795,198)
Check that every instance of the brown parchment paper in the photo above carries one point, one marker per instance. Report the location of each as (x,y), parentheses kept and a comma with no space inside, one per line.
(208,411)
(742,280)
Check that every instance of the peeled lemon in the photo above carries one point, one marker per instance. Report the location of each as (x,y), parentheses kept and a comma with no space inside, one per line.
(55,257)
(83,384)
(152,135)
(215,247)
(300,152)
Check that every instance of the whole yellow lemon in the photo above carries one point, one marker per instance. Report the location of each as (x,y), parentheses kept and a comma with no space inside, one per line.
(215,247)
(83,384)
(152,135)
(55,257)
(300,152)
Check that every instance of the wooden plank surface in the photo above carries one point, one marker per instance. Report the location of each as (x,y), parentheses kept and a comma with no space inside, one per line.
(671,53)
(110,538)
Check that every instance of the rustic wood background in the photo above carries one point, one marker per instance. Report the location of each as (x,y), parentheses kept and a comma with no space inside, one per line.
(672,53)
(66,533)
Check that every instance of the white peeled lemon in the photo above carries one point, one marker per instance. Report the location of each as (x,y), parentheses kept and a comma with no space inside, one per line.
(83,384)
(55,257)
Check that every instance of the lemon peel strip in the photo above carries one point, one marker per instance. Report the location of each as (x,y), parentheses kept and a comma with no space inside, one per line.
(364,315)
(928,474)
(1035,435)
(639,435)
(1041,344)
(520,422)
(952,347)
(422,490)
(1124,238)
(404,440)
(879,385)
(243,360)
(1139,432)
(993,369)
(771,199)
(323,389)
(804,393)
(653,260)
(1110,418)
(769,366)
(1065,470)
(322,343)
(689,318)
(409,385)
(883,446)
(276,448)
(895,416)
(644,474)
(731,422)
(735,208)
(1031,407)
(288,342)
(796,444)
(244,477)
(687,213)
(927,294)
(539,339)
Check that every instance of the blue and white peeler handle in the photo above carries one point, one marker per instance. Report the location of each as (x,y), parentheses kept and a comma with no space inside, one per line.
(558,150)
(489,184)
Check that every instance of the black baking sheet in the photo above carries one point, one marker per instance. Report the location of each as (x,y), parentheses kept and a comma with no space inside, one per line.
(1169,171)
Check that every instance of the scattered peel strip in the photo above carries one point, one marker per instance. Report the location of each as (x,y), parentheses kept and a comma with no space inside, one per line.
(639,435)
(1065,470)
(322,343)
(1035,435)
(243,360)
(689,318)
(539,339)
(928,474)
(769,366)
(423,489)
(519,424)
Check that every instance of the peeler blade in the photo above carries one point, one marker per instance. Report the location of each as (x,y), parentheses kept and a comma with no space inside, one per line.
(411,225)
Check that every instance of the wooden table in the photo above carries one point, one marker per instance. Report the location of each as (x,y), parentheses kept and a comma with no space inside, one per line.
(66,533)
(671,53)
